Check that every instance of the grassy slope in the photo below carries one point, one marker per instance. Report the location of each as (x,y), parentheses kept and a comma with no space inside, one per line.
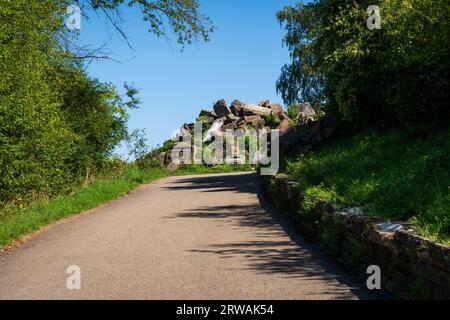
(399,175)
(17,222)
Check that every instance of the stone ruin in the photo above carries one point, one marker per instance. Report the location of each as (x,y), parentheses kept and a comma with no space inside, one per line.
(239,115)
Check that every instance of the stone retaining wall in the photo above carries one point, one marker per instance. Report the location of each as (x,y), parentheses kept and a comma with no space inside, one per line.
(412,267)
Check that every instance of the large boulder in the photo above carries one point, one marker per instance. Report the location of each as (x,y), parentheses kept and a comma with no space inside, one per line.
(253,109)
(241,124)
(284,125)
(231,118)
(221,109)
(214,130)
(275,107)
(206,113)
(251,119)
(283,116)
(265,103)
(259,123)
(306,113)
(236,107)
(229,126)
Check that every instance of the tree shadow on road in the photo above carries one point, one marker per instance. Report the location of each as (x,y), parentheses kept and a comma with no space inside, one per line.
(292,257)
(242,183)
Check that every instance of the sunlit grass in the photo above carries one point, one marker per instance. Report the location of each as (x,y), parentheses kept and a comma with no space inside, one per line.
(399,175)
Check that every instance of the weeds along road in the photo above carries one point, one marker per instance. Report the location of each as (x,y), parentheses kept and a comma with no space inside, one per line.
(195,237)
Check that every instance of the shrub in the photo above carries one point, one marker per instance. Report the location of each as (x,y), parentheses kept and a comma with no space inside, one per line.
(58,126)
(369,77)
(273,120)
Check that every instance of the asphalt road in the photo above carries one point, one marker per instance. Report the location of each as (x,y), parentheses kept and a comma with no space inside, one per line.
(204,237)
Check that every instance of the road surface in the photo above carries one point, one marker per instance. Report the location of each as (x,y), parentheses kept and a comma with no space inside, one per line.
(199,237)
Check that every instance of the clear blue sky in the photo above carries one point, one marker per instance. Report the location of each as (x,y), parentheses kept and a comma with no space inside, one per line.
(242,61)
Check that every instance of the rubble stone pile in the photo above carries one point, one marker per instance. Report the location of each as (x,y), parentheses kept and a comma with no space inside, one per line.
(299,130)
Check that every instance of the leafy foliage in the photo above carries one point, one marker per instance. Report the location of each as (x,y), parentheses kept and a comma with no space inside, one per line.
(35,140)
(369,77)
(59,127)
(181,16)
(273,120)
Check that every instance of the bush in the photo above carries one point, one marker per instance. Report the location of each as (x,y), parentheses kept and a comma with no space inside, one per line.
(273,120)
(292,112)
(59,127)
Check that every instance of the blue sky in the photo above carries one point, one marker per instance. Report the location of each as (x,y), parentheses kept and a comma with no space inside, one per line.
(242,61)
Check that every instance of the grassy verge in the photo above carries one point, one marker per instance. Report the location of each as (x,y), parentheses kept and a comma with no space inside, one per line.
(402,175)
(16,222)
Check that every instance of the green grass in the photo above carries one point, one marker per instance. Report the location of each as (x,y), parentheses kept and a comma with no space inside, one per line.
(15,222)
(224,168)
(400,175)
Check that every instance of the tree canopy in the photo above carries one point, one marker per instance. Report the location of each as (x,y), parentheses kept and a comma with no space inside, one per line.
(181,17)
(396,73)
(59,126)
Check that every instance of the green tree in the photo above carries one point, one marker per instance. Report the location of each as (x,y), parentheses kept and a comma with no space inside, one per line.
(397,73)
(163,17)
(59,126)
(35,141)
(96,114)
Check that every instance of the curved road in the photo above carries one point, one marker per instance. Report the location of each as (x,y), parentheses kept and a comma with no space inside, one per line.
(199,237)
